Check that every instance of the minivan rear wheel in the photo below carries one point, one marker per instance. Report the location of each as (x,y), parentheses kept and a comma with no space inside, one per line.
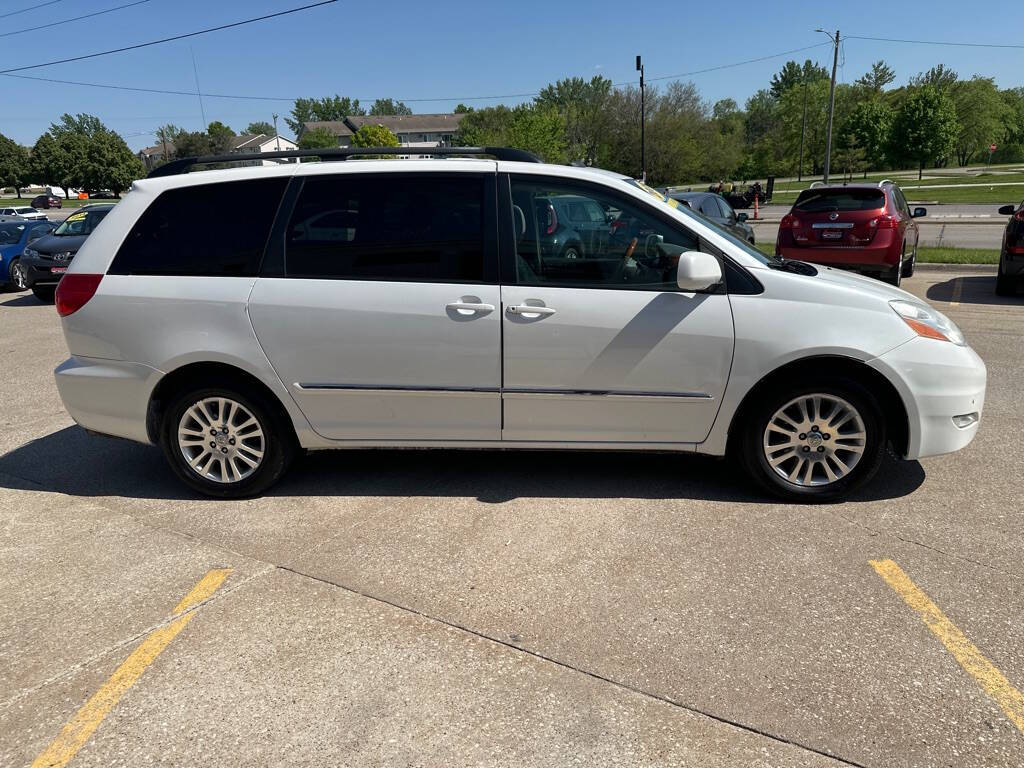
(226,442)
(815,442)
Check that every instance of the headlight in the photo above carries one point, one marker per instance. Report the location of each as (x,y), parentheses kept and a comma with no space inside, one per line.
(927,322)
(30,253)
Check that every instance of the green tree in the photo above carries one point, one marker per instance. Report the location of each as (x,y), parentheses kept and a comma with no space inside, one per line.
(939,76)
(371,135)
(328,108)
(257,127)
(389,107)
(526,126)
(791,119)
(582,105)
(14,164)
(925,128)
(221,137)
(318,138)
(792,75)
(876,78)
(980,113)
(869,127)
(1013,126)
(462,109)
(110,164)
(166,136)
(192,144)
(48,163)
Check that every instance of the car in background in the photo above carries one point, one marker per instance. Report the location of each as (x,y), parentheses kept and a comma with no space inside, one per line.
(867,228)
(46,261)
(23,212)
(1011,256)
(716,208)
(14,236)
(102,194)
(572,227)
(47,201)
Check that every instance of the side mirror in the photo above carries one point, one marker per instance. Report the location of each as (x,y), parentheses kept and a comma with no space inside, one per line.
(741,217)
(920,213)
(1007,210)
(698,271)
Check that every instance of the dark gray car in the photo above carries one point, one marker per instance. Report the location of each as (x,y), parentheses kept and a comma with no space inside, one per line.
(718,210)
(46,260)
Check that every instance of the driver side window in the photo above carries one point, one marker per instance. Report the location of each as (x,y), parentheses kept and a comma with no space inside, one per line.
(617,245)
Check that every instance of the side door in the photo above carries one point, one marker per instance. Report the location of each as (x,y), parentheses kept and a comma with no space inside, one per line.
(607,349)
(379,306)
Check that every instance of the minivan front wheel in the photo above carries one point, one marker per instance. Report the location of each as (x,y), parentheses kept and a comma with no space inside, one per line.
(814,443)
(226,443)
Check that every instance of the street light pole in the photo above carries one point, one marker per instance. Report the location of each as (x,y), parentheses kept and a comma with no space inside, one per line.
(276,134)
(831,101)
(643,148)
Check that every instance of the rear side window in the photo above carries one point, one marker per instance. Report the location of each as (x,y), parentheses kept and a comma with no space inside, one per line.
(848,199)
(189,231)
(383,227)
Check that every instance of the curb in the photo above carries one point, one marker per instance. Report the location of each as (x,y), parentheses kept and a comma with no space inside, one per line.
(985,269)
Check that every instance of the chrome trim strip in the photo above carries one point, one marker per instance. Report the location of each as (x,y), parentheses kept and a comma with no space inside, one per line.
(832,225)
(377,388)
(604,393)
(313,388)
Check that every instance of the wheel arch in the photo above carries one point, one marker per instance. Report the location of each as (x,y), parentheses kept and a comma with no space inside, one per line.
(894,410)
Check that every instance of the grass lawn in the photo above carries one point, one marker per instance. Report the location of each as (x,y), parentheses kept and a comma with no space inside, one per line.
(994,195)
(934,255)
(73,203)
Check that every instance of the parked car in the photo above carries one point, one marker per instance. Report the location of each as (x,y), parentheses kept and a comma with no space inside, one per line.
(14,236)
(102,194)
(23,212)
(47,201)
(1011,255)
(430,315)
(46,261)
(866,228)
(716,208)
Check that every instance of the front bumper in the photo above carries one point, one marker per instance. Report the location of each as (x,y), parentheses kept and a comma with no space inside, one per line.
(937,380)
(40,271)
(107,396)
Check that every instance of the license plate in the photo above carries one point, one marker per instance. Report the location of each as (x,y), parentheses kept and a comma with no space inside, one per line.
(831,234)
(58,270)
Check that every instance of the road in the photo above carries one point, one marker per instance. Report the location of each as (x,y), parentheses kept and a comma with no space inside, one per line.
(508,609)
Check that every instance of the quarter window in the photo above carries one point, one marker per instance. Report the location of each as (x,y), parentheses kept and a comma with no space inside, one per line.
(187,231)
(363,227)
(617,244)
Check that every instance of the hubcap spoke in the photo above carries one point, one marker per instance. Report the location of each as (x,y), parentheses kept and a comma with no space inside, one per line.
(214,446)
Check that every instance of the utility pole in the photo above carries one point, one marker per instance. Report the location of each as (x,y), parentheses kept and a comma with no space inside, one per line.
(276,134)
(831,101)
(643,148)
(803,128)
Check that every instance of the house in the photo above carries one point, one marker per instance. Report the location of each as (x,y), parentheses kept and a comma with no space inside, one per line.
(246,143)
(436,130)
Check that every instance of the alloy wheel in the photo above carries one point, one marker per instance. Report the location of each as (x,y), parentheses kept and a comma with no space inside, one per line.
(18,276)
(221,440)
(815,440)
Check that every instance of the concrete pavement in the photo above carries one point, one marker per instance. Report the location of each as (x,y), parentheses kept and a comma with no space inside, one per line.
(508,608)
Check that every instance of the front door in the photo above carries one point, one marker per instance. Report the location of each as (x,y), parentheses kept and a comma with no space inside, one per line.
(386,322)
(606,348)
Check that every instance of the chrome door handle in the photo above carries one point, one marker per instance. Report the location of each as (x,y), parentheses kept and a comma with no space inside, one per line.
(529,309)
(469,307)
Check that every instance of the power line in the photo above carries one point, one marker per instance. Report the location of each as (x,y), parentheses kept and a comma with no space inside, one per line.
(735,64)
(76,18)
(167,39)
(30,8)
(932,42)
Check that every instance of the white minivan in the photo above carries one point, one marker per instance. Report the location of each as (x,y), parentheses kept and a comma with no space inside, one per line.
(480,300)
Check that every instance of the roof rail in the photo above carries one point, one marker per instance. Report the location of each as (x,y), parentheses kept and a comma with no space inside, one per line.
(183,164)
(886,181)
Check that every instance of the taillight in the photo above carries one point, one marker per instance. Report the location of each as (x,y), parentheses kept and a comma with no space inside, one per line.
(789,221)
(74,291)
(1019,215)
(552,221)
(885,221)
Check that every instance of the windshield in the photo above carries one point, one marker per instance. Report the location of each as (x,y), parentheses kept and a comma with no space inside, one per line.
(682,208)
(10,233)
(80,223)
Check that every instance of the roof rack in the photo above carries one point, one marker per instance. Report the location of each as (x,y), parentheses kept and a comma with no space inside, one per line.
(340,153)
(885,181)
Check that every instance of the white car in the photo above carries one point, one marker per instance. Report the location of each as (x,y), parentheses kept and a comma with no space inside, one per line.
(436,303)
(23,212)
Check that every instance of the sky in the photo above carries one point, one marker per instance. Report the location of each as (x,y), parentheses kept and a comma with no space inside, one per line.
(434,55)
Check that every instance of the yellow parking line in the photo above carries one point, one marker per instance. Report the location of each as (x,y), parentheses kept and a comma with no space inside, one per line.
(88,718)
(958,289)
(964,651)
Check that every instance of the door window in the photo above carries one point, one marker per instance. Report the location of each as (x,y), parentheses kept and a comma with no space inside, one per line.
(709,207)
(623,245)
(727,212)
(381,227)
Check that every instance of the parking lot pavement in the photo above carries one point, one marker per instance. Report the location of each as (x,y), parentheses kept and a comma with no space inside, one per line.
(514,608)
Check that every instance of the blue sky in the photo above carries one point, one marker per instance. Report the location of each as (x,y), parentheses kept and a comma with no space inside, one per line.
(456,49)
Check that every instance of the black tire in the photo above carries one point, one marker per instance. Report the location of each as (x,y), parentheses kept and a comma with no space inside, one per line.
(1005,285)
(16,278)
(44,293)
(908,267)
(572,251)
(895,275)
(752,454)
(279,446)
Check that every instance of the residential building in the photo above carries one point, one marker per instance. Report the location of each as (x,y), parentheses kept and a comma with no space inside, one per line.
(246,143)
(436,130)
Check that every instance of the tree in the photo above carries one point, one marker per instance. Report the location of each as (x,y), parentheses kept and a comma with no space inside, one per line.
(79,151)
(876,78)
(938,76)
(462,109)
(14,165)
(980,112)
(582,105)
(110,164)
(925,127)
(315,110)
(167,135)
(192,144)
(526,126)
(260,126)
(868,127)
(389,107)
(791,117)
(220,137)
(371,135)
(792,75)
(318,138)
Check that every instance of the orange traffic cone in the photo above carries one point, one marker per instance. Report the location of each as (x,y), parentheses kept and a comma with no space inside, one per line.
(755,206)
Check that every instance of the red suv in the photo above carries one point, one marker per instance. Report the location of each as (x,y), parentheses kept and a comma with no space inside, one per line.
(864,227)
